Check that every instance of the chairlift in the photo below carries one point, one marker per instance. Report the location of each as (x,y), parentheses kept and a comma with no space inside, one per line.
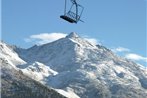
(73,15)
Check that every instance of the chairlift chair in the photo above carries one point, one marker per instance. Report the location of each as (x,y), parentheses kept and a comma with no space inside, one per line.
(72,15)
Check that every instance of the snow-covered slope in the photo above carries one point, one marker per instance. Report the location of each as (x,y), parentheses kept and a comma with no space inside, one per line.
(37,71)
(87,70)
(6,52)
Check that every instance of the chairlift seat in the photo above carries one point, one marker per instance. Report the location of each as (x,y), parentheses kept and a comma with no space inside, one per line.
(67,18)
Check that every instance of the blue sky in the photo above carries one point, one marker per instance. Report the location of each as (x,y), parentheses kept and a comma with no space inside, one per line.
(114,23)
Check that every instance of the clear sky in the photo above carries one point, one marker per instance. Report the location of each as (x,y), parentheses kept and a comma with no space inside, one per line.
(115,23)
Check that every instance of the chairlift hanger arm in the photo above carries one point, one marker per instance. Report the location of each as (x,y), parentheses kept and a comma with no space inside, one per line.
(74,2)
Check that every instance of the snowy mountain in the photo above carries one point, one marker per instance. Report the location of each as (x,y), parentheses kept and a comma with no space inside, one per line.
(78,69)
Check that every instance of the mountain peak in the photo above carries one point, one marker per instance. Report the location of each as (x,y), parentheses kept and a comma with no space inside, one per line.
(72,35)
